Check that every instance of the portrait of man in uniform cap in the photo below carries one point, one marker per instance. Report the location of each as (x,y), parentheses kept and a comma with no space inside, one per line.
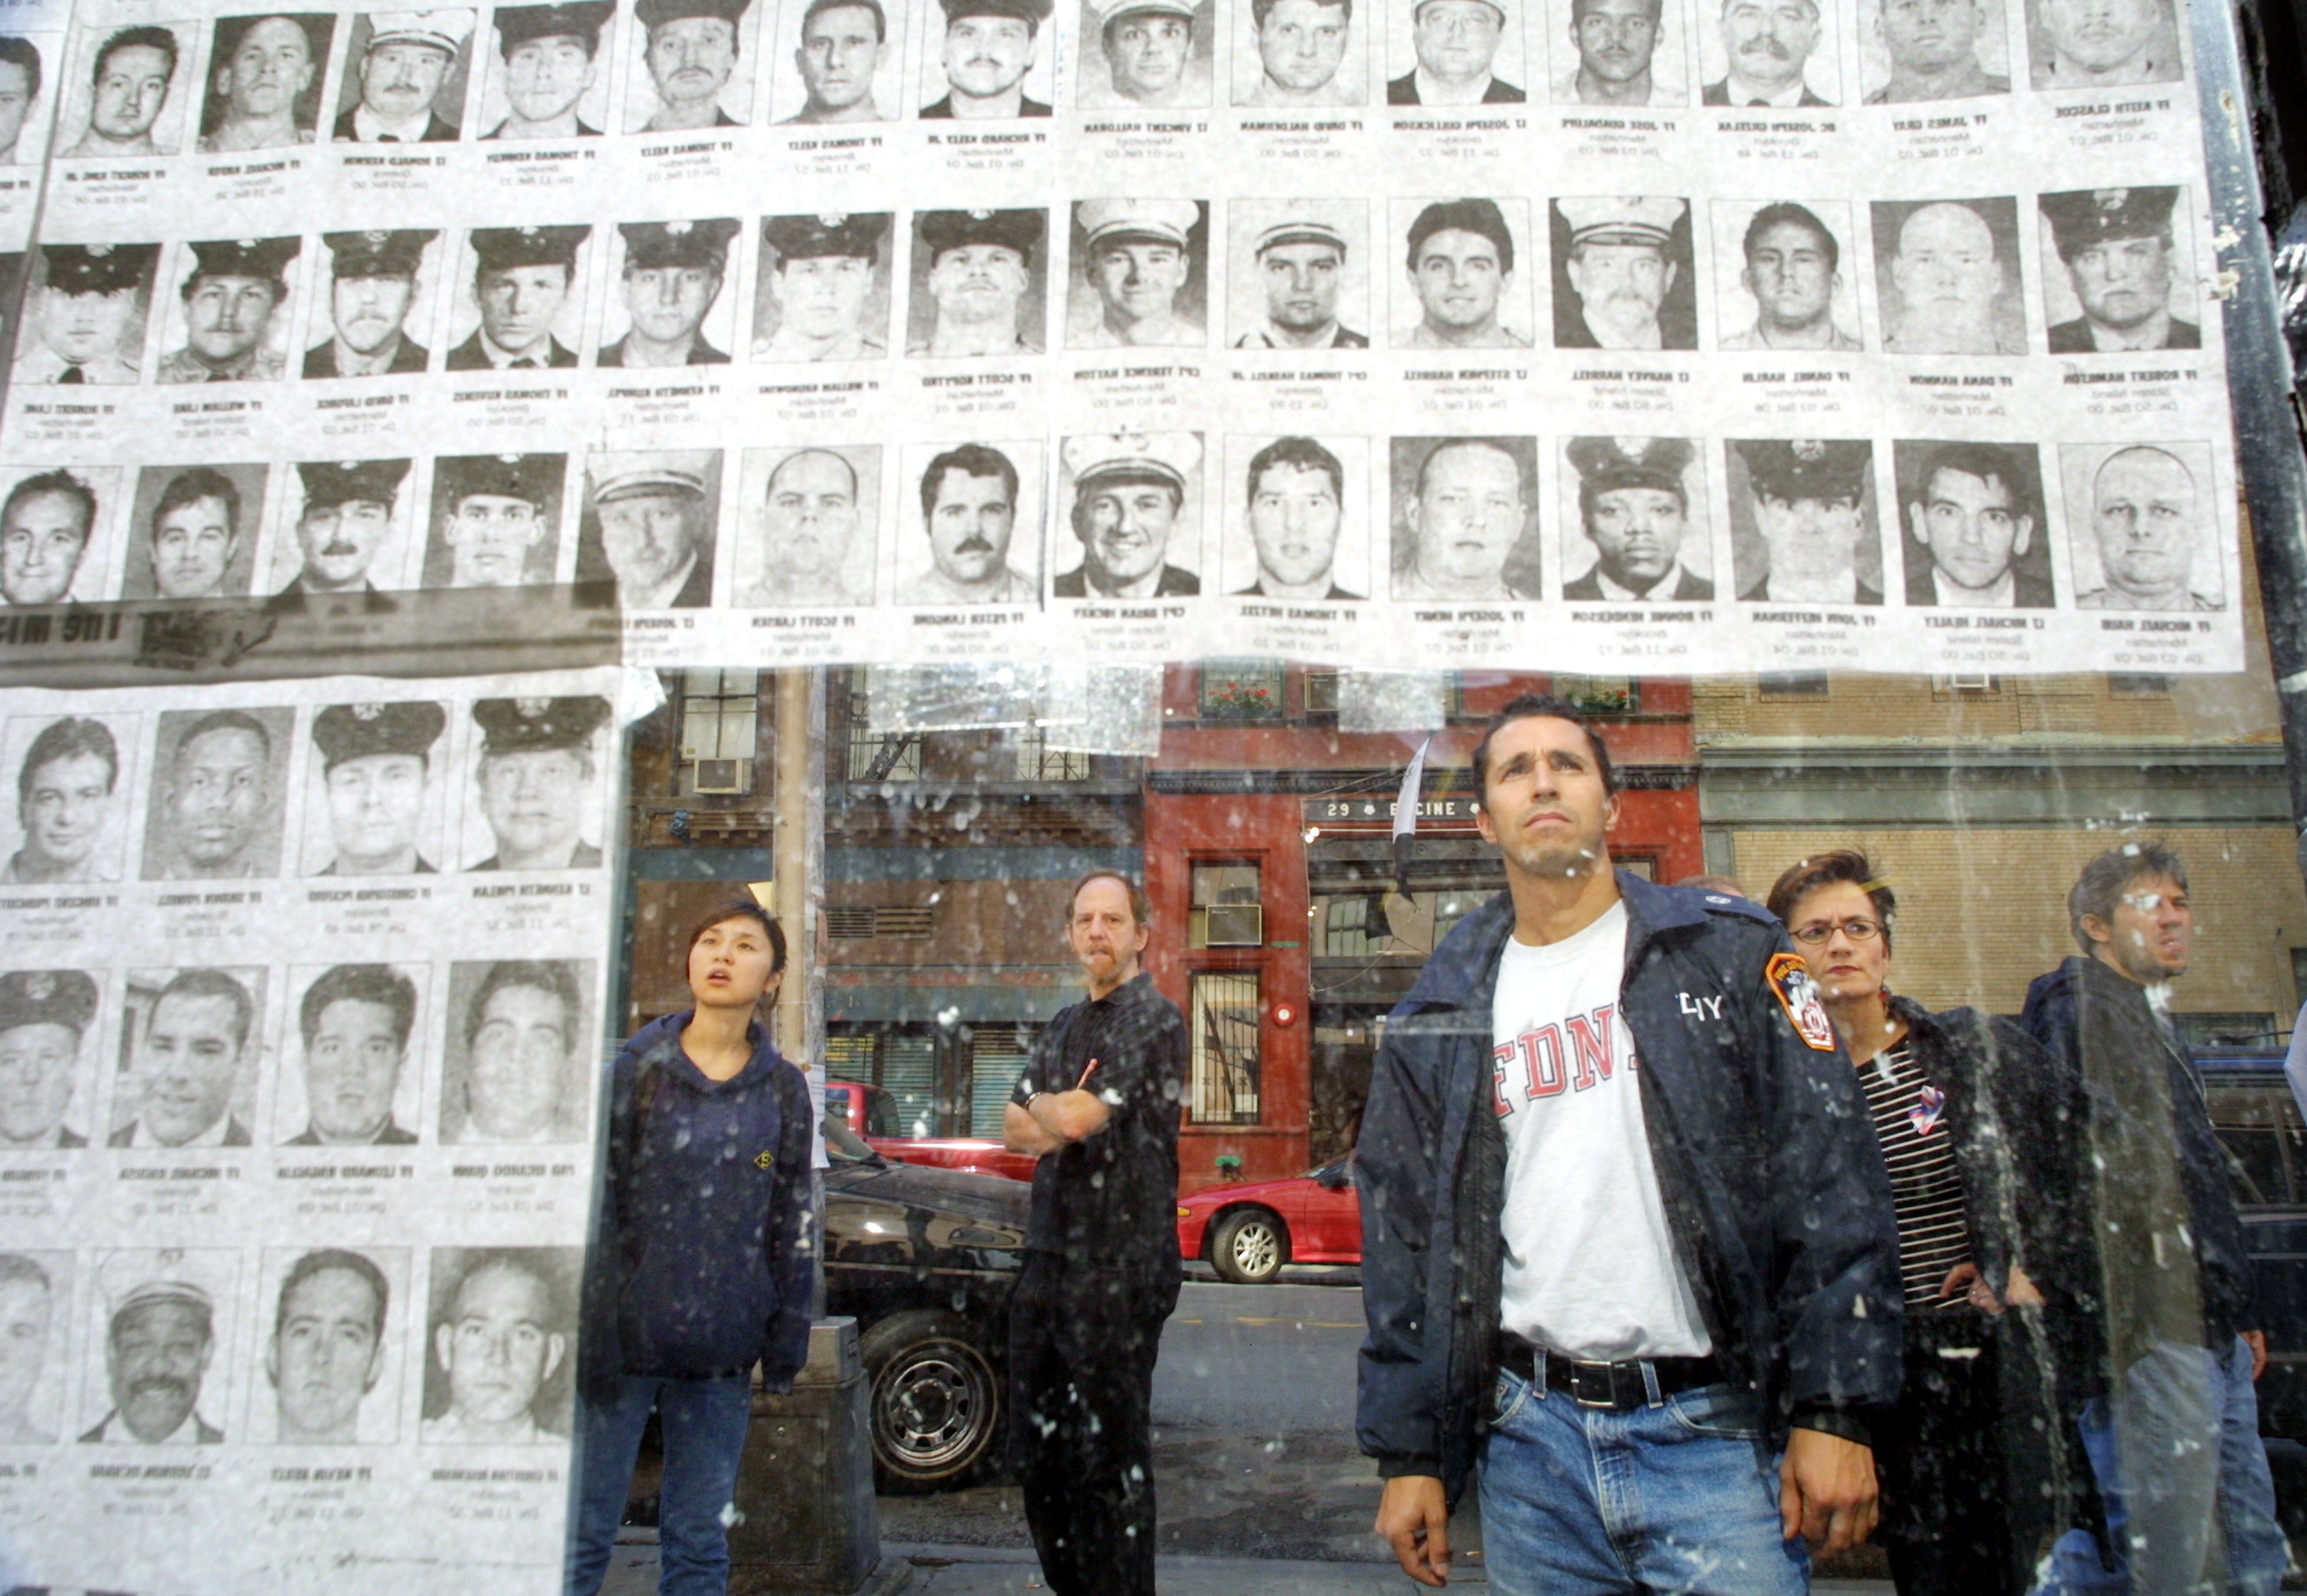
(1138,260)
(987,54)
(1634,510)
(813,527)
(650,522)
(1465,518)
(67,807)
(262,89)
(1460,272)
(328,1352)
(1457,44)
(231,298)
(2103,44)
(1147,51)
(45,523)
(824,291)
(375,773)
(354,1022)
(45,1015)
(1949,277)
(2140,530)
(1622,274)
(87,314)
(496,520)
(406,86)
(1803,521)
(19,91)
(163,1314)
(1789,289)
(373,278)
(552,59)
(343,524)
(1306,57)
(671,280)
(521,281)
(1294,509)
(975,506)
(1939,49)
(497,1372)
(1770,49)
(535,779)
(844,45)
(516,1064)
(216,795)
(194,536)
(1299,277)
(979,274)
(129,81)
(2117,250)
(191,1052)
(1133,509)
(692,49)
(34,1287)
(1973,534)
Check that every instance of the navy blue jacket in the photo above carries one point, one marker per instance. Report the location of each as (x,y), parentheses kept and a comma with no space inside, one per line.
(702,1264)
(1773,1185)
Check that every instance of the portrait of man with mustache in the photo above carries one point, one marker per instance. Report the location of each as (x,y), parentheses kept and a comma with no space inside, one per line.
(160,1339)
(1768,45)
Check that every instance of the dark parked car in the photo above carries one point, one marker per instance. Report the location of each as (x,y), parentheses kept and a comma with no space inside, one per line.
(924,1259)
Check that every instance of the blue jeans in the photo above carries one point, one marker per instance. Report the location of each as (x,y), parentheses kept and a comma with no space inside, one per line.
(2179,1462)
(704,1423)
(1681,1495)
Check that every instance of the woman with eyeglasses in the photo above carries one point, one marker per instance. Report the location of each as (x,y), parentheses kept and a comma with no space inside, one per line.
(1969,1115)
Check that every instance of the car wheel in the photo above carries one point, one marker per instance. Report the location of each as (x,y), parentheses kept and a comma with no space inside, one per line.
(935,1400)
(1250,1247)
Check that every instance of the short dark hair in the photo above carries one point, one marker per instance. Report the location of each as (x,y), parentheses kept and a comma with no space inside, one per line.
(1579,8)
(1260,10)
(969,459)
(744,908)
(1805,876)
(880,17)
(210,983)
(190,487)
(1303,454)
(1986,462)
(1497,444)
(223,720)
(61,739)
(1540,707)
(540,974)
(15,1266)
(144,35)
(1786,213)
(1141,907)
(321,1263)
(63,484)
(364,984)
(2105,879)
(25,54)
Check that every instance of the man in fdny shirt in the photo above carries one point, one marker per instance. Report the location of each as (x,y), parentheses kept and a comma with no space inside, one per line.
(1626,1238)
(1098,1107)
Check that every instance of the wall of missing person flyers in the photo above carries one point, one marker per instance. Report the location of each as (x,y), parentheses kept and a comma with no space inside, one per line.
(1599,335)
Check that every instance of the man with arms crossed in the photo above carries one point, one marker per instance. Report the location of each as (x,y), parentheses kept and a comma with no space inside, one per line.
(822,277)
(1616,42)
(1934,50)
(1301,264)
(401,70)
(1794,271)
(988,49)
(1098,1108)
(129,89)
(842,44)
(1296,498)
(2174,1444)
(1661,1271)
(63,797)
(372,288)
(1300,46)
(969,508)
(327,1349)
(44,1014)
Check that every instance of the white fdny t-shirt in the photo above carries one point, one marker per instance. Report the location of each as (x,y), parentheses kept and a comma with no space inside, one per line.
(1590,1267)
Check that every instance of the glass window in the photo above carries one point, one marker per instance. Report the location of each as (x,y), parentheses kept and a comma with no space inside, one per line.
(1243,690)
(2259,1127)
(1222,1027)
(720,718)
(1226,911)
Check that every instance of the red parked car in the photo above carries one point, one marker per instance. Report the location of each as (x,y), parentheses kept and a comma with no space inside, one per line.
(1248,1232)
(872,1114)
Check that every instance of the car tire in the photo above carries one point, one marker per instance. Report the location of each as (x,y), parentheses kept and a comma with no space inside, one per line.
(1251,1246)
(934,1398)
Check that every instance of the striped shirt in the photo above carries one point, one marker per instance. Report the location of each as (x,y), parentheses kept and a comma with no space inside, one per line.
(1910,1124)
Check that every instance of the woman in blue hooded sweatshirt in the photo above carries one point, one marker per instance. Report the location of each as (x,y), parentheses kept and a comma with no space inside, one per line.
(701,1268)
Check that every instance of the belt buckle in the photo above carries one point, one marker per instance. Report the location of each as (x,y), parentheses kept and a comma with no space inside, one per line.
(1586,1377)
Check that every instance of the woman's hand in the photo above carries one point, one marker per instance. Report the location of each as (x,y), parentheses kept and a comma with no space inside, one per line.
(1965,1280)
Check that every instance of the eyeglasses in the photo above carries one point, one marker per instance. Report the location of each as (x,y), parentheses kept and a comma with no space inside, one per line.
(1855,929)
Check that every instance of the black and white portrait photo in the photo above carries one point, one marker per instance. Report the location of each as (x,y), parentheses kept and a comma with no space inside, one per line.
(988,61)
(1805,521)
(1778,54)
(2098,45)
(375,788)
(501,1334)
(2115,279)
(159,1349)
(36,1319)
(496,520)
(1785,275)
(31,69)
(333,1331)
(667,306)
(264,82)
(220,786)
(515,1063)
(549,73)
(1297,526)
(971,517)
(1623,273)
(1459,270)
(347,533)
(1301,55)
(2144,531)
(518,300)
(128,91)
(191,1049)
(1133,503)
(1298,274)
(86,314)
(230,317)
(1620,54)
(55,528)
(651,523)
(1459,53)
(1971,531)
(406,73)
(1146,54)
(1946,273)
(1634,526)
(356,1056)
(1462,519)
(381,293)
(699,61)
(824,287)
(979,283)
(73,776)
(1140,276)
(808,526)
(836,61)
(47,1057)
(192,531)
(1916,50)
(537,783)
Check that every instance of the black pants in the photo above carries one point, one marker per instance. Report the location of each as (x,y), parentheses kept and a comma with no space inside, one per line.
(1082,1345)
(1941,1464)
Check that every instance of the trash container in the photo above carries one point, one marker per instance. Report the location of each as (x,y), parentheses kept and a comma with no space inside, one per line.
(805,1489)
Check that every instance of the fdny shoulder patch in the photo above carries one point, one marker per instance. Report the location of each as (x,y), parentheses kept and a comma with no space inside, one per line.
(1791,984)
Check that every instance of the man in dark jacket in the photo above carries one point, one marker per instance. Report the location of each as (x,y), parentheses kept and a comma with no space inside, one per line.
(1580,1262)
(1098,1107)
(2175,1442)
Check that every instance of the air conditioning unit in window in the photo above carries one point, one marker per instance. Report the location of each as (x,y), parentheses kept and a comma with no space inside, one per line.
(1234,924)
(1321,692)
(720,775)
